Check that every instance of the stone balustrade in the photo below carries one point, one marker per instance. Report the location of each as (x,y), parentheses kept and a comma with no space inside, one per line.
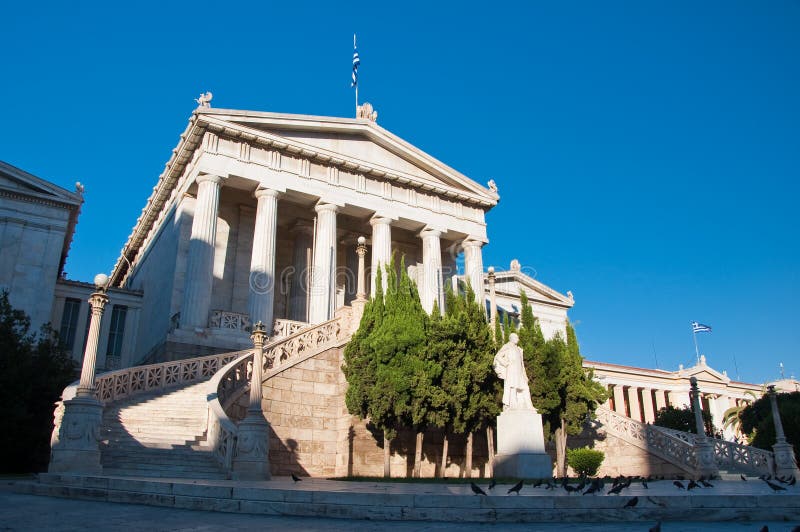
(284,328)
(223,319)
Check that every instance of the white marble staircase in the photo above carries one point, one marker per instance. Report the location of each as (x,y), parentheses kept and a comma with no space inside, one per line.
(159,434)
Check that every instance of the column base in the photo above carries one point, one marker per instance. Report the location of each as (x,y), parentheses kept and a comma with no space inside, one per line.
(706,463)
(75,446)
(522,465)
(252,449)
(785,462)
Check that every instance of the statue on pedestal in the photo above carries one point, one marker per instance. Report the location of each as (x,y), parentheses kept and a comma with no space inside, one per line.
(520,437)
(509,365)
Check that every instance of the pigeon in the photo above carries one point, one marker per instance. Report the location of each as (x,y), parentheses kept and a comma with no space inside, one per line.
(632,502)
(764,528)
(744,478)
(476,489)
(774,486)
(792,482)
(592,489)
(796,529)
(678,484)
(537,483)
(569,488)
(492,484)
(296,478)
(644,484)
(656,527)
(515,488)
(616,489)
(692,485)
(706,484)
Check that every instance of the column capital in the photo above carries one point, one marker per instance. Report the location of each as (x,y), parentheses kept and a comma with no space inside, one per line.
(377,219)
(428,232)
(209,177)
(263,191)
(302,226)
(472,242)
(330,207)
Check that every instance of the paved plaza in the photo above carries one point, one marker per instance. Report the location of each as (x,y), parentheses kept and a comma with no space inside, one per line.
(33,512)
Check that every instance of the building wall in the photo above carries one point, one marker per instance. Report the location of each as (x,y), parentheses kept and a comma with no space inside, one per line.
(32,237)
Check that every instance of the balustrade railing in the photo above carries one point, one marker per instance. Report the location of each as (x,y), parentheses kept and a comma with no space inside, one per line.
(222,319)
(679,447)
(284,328)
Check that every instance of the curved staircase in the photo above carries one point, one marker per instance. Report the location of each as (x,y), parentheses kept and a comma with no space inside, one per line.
(169,420)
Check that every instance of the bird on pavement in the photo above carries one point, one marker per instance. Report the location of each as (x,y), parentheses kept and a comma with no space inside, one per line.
(774,486)
(692,485)
(744,478)
(296,478)
(656,502)
(764,528)
(537,483)
(570,488)
(706,484)
(492,484)
(476,489)
(793,481)
(679,484)
(644,484)
(656,527)
(515,488)
(616,489)
(631,502)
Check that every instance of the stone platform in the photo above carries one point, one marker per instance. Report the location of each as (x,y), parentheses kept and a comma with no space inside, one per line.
(727,501)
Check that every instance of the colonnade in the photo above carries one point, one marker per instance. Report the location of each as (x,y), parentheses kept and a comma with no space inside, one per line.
(323,239)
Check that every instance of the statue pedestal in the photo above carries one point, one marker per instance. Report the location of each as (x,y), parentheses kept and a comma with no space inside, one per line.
(520,446)
(785,463)
(75,448)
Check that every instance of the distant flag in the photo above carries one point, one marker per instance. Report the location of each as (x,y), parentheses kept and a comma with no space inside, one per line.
(356,62)
(699,327)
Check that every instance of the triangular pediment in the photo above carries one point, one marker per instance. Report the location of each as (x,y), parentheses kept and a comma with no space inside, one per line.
(705,373)
(358,143)
(17,181)
(514,282)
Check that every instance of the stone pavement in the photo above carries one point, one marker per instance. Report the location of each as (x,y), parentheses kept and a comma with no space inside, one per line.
(33,512)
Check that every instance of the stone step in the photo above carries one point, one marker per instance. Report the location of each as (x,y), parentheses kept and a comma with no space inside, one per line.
(124,472)
(163,469)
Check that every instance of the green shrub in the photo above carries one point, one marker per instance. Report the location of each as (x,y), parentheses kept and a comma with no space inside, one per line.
(585,461)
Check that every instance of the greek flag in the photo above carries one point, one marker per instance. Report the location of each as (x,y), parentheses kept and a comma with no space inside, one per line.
(356,62)
(699,327)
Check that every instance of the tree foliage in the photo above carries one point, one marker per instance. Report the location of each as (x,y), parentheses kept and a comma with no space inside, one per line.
(757,421)
(563,392)
(33,373)
(682,419)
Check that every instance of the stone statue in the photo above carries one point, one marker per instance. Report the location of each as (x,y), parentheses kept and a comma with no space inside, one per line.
(510,366)
(204,100)
(492,186)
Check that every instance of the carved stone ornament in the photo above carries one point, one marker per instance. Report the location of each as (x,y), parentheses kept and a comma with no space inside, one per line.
(492,186)
(366,111)
(204,100)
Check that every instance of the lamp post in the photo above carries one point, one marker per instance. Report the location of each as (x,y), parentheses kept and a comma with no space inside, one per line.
(704,449)
(74,444)
(785,462)
(252,445)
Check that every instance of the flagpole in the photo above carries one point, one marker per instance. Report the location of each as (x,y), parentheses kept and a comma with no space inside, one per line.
(354,48)
(696,350)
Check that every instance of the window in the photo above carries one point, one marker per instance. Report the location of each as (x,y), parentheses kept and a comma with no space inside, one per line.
(69,322)
(116,331)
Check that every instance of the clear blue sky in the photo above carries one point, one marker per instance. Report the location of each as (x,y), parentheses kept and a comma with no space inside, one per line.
(647,153)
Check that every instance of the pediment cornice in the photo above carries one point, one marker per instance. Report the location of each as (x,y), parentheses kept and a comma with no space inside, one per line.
(536,290)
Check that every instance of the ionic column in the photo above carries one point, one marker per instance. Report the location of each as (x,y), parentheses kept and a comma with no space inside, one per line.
(97,301)
(647,404)
(298,303)
(381,249)
(619,400)
(633,401)
(432,288)
(473,267)
(323,286)
(661,399)
(261,299)
(200,262)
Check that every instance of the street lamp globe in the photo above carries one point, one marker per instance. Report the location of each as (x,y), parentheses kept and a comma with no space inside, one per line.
(101,281)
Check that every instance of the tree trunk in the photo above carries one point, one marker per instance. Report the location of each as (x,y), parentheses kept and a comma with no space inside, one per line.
(418,455)
(387,456)
(490,443)
(468,452)
(445,446)
(561,450)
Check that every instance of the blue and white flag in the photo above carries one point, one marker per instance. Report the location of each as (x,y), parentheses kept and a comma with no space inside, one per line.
(356,62)
(699,327)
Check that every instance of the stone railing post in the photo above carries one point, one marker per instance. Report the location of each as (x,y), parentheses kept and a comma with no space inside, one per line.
(75,444)
(360,301)
(704,449)
(785,461)
(252,446)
